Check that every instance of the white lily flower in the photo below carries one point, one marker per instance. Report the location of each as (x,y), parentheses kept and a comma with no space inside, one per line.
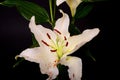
(73,4)
(55,46)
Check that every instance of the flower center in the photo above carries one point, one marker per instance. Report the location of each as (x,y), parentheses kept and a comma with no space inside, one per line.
(57,45)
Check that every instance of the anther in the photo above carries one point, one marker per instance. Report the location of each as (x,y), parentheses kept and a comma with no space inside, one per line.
(73,75)
(57,31)
(48,36)
(53,50)
(45,43)
(65,38)
(66,44)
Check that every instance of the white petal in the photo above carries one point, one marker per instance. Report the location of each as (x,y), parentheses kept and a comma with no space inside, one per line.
(75,42)
(41,33)
(48,64)
(59,2)
(62,24)
(44,57)
(73,4)
(52,73)
(32,54)
(75,67)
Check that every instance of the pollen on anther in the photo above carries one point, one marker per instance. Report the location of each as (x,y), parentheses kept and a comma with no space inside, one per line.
(65,38)
(66,44)
(53,50)
(73,75)
(45,43)
(48,36)
(57,31)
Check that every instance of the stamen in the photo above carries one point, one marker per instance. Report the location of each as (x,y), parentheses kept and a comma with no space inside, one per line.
(73,75)
(66,44)
(45,43)
(55,61)
(57,31)
(53,50)
(48,36)
(65,38)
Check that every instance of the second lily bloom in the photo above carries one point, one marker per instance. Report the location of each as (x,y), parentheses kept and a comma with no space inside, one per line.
(73,4)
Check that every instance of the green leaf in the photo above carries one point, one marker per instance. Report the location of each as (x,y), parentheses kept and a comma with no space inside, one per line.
(88,53)
(29,9)
(34,41)
(18,62)
(83,10)
(10,3)
(74,30)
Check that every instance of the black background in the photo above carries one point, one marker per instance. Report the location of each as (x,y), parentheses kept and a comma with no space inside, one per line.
(15,36)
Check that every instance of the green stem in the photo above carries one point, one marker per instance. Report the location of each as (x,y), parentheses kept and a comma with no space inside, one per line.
(73,20)
(54,8)
(51,12)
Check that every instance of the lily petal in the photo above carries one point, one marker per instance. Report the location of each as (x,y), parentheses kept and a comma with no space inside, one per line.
(32,54)
(75,67)
(62,24)
(75,42)
(44,57)
(41,33)
(73,4)
(59,2)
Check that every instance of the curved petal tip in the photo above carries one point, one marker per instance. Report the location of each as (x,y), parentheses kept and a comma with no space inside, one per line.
(32,18)
(96,30)
(58,2)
